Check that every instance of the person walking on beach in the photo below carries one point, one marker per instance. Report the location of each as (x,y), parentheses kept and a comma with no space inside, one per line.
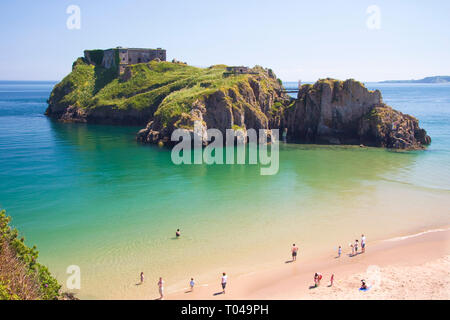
(224,282)
(356,246)
(331,280)
(142,277)
(191,284)
(161,288)
(339,251)
(353,250)
(294,252)
(178,233)
(363,243)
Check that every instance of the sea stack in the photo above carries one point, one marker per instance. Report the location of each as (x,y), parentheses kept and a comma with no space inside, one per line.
(346,112)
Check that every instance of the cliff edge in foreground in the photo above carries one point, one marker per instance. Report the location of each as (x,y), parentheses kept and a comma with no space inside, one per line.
(21,276)
(164,96)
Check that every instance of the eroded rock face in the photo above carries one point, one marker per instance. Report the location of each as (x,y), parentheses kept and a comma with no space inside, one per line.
(345,112)
(386,127)
(246,106)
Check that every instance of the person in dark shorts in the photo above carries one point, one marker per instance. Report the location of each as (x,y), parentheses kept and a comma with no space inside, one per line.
(294,252)
(224,281)
(178,233)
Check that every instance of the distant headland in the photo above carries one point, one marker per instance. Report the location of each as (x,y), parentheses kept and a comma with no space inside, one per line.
(136,86)
(435,79)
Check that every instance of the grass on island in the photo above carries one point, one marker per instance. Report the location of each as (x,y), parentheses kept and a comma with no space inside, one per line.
(168,89)
(171,86)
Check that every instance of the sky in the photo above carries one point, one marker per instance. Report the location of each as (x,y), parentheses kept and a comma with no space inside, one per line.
(300,40)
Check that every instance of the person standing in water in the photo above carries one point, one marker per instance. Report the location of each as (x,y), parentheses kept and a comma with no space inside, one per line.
(191,284)
(363,243)
(161,288)
(294,252)
(224,281)
(356,246)
(178,233)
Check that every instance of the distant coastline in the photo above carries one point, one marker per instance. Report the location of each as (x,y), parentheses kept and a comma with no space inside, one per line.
(435,79)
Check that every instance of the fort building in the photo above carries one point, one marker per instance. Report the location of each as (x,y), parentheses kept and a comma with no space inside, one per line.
(121,57)
(238,69)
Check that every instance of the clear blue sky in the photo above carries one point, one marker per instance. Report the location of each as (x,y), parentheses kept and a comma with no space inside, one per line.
(298,39)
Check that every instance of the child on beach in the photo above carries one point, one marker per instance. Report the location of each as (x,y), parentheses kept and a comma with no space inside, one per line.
(178,233)
(363,285)
(363,243)
(161,288)
(142,277)
(191,284)
(356,246)
(339,251)
(294,252)
(317,278)
(353,250)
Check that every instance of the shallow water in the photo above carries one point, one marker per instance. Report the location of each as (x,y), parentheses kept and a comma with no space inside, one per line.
(89,195)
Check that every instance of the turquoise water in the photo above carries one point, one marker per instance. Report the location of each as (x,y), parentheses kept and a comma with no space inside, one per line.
(90,195)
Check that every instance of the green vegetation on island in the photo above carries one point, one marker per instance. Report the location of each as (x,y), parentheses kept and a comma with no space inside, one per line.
(163,88)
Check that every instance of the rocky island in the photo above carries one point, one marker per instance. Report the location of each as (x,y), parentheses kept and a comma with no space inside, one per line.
(163,96)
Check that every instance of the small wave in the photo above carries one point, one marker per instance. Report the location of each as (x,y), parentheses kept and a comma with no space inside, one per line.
(416,234)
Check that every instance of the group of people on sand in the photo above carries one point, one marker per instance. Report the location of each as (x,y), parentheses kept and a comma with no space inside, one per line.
(318,276)
(191,284)
(294,251)
(355,247)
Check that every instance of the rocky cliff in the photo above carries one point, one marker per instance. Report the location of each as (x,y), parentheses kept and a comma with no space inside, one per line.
(164,96)
(345,112)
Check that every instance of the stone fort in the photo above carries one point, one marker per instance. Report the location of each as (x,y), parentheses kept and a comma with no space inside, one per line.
(122,57)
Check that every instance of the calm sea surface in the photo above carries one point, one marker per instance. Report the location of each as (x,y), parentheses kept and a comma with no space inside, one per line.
(89,195)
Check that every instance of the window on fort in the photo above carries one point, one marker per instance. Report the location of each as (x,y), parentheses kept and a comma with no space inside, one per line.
(139,60)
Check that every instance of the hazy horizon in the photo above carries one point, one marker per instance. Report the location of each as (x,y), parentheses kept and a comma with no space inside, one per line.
(365,40)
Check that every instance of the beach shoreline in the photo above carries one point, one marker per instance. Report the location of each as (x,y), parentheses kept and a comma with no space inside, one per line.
(414,266)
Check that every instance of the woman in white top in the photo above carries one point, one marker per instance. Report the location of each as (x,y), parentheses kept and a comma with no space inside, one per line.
(363,243)
(224,281)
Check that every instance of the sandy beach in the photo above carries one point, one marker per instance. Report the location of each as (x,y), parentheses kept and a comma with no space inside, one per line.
(409,267)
